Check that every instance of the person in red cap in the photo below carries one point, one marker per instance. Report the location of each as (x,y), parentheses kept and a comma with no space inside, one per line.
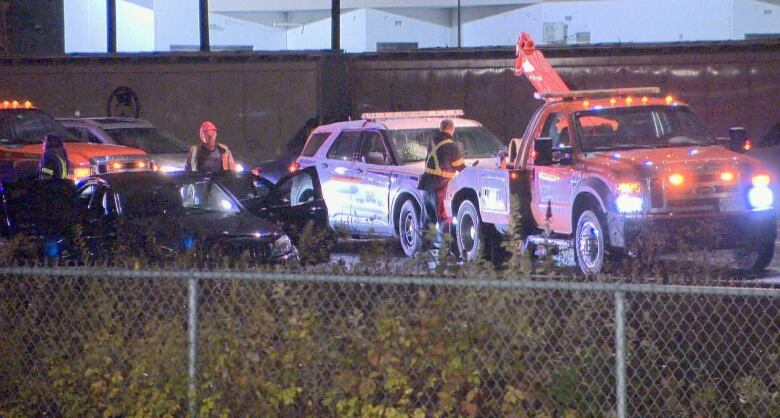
(209,155)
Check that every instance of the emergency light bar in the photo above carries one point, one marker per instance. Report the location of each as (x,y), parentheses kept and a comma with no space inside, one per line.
(581,94)
(15,104)
(445,113)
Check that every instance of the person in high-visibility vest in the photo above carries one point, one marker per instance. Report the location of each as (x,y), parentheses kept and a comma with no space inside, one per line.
(54,161)
(443,162)
(209,155)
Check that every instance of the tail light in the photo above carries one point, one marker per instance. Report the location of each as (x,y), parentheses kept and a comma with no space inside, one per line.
(294,166)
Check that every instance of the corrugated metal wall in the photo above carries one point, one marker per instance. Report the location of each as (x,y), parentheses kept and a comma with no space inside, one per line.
(262,102)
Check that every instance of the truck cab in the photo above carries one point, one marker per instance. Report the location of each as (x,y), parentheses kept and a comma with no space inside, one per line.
(22,128)
(601,170)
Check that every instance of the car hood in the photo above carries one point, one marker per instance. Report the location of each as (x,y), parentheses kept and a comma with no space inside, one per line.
(82,151)
(650,162)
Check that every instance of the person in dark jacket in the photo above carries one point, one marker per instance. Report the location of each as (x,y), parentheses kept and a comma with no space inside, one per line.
(443,162)
(54,161)
(209,155)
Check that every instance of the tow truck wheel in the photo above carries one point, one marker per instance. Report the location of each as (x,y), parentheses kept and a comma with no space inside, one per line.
(756,259)
(409,229)
(589,244)
(468,231)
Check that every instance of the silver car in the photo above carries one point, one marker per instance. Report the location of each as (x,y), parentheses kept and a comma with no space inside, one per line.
(168,152)
(369,169)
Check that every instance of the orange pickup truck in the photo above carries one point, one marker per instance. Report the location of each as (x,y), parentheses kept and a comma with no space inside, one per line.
(22,128)
(600,170)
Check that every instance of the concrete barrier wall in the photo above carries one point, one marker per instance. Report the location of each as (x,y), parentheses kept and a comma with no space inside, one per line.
(263,103)
(726,87)
(258,106)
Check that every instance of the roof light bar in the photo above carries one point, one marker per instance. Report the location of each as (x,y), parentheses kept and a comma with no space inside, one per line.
(582,94)
(444,113)
(15,104)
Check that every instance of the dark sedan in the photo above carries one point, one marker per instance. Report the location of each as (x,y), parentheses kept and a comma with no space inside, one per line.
(216,215)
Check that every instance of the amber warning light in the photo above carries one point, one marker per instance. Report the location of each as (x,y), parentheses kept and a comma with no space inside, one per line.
(15,104)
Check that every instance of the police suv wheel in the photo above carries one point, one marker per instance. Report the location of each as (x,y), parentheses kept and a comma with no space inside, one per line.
(409,229)
(589,245)
(468,231)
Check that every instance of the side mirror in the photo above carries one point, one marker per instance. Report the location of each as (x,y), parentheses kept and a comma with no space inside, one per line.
(543,151)
(738,140)
(374,157)
(501,157)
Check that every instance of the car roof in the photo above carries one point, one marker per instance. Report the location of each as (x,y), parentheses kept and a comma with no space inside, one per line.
(397,123)
(143,178)
(107,122)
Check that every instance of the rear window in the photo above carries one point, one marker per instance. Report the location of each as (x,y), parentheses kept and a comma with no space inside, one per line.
(314,143)
(151,140)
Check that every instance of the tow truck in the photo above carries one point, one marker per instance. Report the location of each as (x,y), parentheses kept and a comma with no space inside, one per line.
(601,171)
(22,128)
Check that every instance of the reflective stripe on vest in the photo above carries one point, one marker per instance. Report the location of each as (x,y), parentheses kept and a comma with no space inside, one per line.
(194,157)
(437,170)
(64,165)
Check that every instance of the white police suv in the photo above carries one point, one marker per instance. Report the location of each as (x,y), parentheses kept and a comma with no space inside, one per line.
(369,169)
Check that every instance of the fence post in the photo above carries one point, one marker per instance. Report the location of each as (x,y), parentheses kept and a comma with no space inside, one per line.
(192,326)
(620,353)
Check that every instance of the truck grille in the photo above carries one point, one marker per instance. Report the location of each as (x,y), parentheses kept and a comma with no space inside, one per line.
(702,192)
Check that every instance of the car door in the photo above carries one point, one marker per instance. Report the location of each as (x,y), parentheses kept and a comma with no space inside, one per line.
(295,202)
(340,179)
(370,207)
(552,184)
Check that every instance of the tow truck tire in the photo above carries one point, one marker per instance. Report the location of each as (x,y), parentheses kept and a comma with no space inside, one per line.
(757,259)
(409,233)
(468,232)
(589,244)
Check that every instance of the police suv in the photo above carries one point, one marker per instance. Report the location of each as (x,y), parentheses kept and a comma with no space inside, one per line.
(369,169)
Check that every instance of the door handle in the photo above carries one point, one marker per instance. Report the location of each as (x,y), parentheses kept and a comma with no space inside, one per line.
(360,171)
(324,165)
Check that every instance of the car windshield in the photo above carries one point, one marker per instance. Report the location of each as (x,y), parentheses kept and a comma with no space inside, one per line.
(640,127)
(411,145)
(192,197)
(151,140)
(31,125)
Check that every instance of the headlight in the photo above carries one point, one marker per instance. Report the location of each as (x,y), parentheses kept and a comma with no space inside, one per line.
(760,197)
(282,246)
(628,204)
(629,199)
(761,180)
(240,168)
(170,168)
(81,172)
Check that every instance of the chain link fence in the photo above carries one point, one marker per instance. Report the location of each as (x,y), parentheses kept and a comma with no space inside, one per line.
(87,342)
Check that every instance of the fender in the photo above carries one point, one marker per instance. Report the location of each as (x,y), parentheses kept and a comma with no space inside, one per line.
(599,189)
(614,222)
(405,187)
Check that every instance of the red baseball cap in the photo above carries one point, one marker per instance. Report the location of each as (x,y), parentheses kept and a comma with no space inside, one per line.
(207,126)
